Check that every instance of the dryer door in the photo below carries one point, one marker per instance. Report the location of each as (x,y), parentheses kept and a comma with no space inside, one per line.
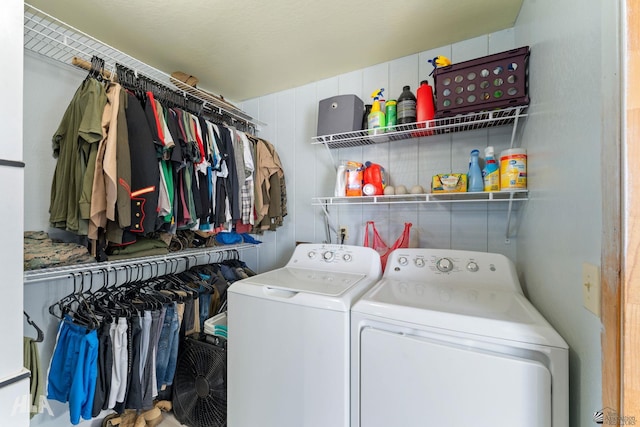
(415,381)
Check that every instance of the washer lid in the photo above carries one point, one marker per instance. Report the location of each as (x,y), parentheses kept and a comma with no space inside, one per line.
(306,280)
(312,288)
(492,313)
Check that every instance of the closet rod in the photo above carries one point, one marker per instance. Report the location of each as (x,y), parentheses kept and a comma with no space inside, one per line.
(136,266)
(86,65)
(52,38)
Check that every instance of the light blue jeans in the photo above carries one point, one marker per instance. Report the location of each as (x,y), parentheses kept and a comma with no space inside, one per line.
(167,355)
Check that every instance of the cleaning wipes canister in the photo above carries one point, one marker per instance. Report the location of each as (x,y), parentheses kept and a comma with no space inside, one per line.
(513,169)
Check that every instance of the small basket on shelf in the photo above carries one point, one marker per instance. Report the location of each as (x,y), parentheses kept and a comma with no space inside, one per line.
(490,82)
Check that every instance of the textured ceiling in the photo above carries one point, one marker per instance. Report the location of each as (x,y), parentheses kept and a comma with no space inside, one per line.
(247,48)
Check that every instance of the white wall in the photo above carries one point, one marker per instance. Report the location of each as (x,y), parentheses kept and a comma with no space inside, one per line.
(292,121)
(11,188)
(572,75)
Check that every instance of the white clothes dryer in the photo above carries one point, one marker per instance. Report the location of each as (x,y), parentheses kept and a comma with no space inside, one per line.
(447,338)
(288,338)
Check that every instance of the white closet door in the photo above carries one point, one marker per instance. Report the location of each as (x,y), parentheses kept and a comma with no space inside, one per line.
(411,381)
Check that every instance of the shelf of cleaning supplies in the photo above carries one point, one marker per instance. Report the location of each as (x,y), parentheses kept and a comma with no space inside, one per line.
(460,123)
(497,196)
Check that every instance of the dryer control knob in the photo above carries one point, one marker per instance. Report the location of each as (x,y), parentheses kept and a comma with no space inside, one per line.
(444,265)
(403,260)
(311,254)
(347,257)
(419,262)
(327,256)
(472,267)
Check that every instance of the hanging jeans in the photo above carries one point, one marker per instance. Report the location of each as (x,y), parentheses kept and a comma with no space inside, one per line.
(118,334)
(105,368)
(167,347)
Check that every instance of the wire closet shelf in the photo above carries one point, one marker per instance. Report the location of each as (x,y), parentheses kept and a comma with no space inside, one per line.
(138,268)
(54,39)
(446,125)
(483,196)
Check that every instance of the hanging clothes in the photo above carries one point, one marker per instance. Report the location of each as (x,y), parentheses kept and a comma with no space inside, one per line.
(73,369)
(31,359)
(150,169)
(248,196)
(122,212)
(117,347)
(145,176)
(270,191)
(74,145)
(105,172)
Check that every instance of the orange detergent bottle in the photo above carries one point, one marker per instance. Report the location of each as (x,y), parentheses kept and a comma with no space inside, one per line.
(374,180)
(354,179)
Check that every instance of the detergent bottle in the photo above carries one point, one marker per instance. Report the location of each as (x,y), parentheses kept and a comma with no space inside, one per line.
(353,185)
(475,174)
(391,114)
(425,109)
(374,180)
(491,171)
(406,106)
(376,121)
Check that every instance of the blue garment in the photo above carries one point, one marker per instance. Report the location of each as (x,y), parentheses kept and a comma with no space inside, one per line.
(168,342)
(249,239)
(205,302)
(205,299)
(74,369)
(228,238)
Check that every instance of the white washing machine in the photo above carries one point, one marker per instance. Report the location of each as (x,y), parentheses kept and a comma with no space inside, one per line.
(288,347)
(447,338)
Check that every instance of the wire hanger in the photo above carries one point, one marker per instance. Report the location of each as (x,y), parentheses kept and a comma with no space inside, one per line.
(40,337)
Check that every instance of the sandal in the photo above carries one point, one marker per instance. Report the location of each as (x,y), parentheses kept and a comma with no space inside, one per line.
(164,405)
(152,417)
(107,421)
(128,419)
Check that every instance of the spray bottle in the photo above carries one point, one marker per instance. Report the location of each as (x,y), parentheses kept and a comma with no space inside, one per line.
(376,121)
(491,172)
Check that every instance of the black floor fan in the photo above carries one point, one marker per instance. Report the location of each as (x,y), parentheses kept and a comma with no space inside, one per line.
(200,384)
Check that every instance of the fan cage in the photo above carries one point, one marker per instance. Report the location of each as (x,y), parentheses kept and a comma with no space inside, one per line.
(200,384)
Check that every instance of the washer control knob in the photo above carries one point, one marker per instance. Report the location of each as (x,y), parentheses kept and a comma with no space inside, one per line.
(419,262)
(444,265)
(403,260)
(327,256)
(472,267)
(347,257)
(311,254)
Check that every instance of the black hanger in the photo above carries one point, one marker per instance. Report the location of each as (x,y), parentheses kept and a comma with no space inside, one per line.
(40,337)
(97,68)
